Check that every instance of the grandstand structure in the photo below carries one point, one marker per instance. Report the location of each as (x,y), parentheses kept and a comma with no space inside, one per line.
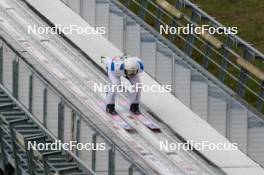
(46,96)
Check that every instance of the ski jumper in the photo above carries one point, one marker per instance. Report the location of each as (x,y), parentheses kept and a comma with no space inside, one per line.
(115,69)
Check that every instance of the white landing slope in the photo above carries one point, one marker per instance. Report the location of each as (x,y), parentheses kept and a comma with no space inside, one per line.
(169,109)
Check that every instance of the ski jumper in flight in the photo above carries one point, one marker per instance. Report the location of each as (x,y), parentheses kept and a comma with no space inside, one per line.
(130,68)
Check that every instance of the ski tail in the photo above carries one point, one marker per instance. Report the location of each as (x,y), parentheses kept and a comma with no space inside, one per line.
(147,122)
(117,120)
(123,123)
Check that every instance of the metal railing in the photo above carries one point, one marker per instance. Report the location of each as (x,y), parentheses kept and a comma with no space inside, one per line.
(78,120)
(18,128)
(221,55)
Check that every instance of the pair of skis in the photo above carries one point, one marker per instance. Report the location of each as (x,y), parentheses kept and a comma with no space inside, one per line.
(143,119)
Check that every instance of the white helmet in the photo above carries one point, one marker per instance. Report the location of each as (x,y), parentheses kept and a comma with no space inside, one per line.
(131,65)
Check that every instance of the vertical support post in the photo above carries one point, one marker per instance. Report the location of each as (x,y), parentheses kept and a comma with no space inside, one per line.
(61,120)
(81,7)
(1,64)
(195,17)
(241,82)
(29,157)
(127,3)
(228,118)
(178,5)
(73,127)
(243,76)
(158,18)
(78,129)
(46,167)
(156,63)
(173,73)
(2,146)
(130,170)
(142,8)
(207,54)
(125,34)
(111,161)
(260,98)
(247,136)
(45,106)
(94,152)
(30,100)
(226,56)
(15,77)
(15,148)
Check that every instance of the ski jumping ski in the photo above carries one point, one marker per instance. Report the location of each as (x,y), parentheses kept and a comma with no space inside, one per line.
(146,121)
(117,119)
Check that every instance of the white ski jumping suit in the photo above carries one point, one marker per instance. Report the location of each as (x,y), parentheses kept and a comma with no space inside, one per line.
(115,69)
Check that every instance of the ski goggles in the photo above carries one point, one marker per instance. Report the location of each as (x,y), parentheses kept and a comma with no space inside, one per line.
(131,72)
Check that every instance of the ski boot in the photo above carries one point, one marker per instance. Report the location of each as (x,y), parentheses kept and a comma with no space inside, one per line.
(110,108)
(134,107)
